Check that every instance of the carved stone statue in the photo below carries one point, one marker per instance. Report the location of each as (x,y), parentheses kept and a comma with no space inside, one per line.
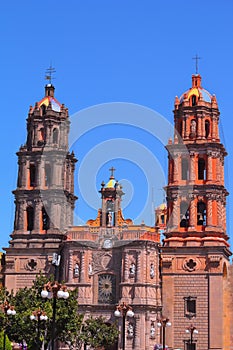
(132,269)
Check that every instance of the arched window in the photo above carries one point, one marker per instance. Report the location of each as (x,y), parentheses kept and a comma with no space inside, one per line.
(30,218)
(194,100)
(45,220)
(201,169)
(184,214)
(207,128)
(201,213)
(48,175)
(43,109)
(42,134)
(55,135)
(32,175)
(185,169)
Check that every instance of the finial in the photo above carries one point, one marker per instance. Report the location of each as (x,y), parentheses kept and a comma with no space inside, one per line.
(196,58)
(112,169)
(49,74)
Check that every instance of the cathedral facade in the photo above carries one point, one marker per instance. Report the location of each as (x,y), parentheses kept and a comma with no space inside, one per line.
(183,280)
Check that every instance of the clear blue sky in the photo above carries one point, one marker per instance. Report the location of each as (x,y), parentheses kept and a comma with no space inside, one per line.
(135,52)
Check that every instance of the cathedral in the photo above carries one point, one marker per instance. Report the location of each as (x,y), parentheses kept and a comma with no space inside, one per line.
(175,277)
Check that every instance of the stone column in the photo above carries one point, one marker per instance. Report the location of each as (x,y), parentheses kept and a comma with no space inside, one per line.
(209,166)
(24,173)
(186,133)
(203,127)
(37,216)
(71,267)
(209,210)
(219,211)
(176,162)
(138,267)
(199,127)
(192,167)
(214,128)
(192,213)
(82,266)
(126,267)
(224,214)
(175,212)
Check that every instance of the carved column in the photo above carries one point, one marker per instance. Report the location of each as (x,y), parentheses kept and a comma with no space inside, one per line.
(35,135)
(209,210)
(175,212)
(82,266)
(209,166)
(138,267)
(176,162)
(199,127)
(224,214)
(183,128)
(218,170)
(71,267)
(126,266)
(214,128)
(186,134)
(192,167)
(203,127)
(219,211)
(38,173)
(192,220)
(37,216)
(24,173)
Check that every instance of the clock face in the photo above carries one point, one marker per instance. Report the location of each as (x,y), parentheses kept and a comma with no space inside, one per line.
(106,289)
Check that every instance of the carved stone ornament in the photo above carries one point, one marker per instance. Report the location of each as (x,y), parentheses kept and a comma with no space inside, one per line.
(31,265)
(191,264)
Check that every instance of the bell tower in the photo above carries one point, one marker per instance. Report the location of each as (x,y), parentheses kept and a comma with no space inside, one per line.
(195,249)
(44,197)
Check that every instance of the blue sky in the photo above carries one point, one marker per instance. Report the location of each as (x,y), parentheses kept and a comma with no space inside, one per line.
(135,52)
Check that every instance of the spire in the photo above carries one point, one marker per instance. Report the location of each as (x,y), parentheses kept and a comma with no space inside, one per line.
(49,88)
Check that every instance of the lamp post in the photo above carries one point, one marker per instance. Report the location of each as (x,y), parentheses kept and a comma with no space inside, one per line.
(164,322)
(56,291)
(191,330)
(38,316)
(123,310)
(8,310)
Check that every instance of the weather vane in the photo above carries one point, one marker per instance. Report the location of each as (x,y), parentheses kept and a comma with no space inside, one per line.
(49,74)
(196,58)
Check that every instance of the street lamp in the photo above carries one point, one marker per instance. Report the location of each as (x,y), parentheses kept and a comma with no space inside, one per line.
(164,322)
(123,310)
(191,330)
(38,316)
(8,310)
(56,291)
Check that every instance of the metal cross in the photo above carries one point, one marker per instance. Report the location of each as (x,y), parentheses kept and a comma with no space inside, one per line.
(112,169)
(196,58)
(49,74)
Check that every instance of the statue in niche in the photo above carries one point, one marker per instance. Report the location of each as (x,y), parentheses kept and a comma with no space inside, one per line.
(193,127)
(132,269)
(152,270)
(90,270)
(109,219)
(152,330)
(76,270)
(130,330)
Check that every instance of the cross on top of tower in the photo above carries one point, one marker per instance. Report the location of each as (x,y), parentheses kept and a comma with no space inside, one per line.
(49,74)
(112,169)
(196,58)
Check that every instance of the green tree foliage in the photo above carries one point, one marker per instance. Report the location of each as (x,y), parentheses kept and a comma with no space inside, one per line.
(27,300)
(99,334)
(8,343)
